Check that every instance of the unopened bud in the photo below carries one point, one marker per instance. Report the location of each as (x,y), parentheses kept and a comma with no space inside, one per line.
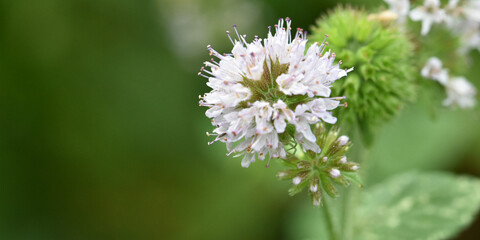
(281,174)
(297,180)
(334,173)
(342,140)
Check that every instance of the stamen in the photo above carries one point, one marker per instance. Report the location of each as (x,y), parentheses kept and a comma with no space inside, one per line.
(229,37)
(297,34)
(337,98)
(230,153)
(203,75)
(214,53)
(236,31)
(324,43)
(202,69)
(240,37)
(213,60)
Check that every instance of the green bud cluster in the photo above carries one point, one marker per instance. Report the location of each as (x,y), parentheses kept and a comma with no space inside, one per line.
(383,80)
(319,171)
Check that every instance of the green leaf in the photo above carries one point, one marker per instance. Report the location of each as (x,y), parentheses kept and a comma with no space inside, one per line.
(354,177)
(418,205)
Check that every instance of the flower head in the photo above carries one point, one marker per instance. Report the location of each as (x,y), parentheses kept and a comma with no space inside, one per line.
(383,80)
(429,13)
(318,171)
(265,86)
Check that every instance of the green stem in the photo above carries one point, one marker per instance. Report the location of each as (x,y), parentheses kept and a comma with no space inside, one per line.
(329,220)
(352,196)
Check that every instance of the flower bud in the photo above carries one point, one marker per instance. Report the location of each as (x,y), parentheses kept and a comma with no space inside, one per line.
(343,140)
(383,80)
(334,173)
(297,180)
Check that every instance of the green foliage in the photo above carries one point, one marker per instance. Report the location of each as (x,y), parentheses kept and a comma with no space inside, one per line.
(418,206)
(413,206)
(382,81)
(415,140)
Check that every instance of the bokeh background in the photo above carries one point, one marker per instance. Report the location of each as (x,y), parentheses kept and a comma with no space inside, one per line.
(102,137)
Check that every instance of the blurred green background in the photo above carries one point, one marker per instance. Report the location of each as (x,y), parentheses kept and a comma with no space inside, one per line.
(102,137)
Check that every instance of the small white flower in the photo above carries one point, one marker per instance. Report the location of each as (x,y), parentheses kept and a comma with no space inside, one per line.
(343,160)
(429,13)
(354,167)
(316,201)
(297,180)
(325,159)
(342,140)
(469,33)
(460,92)
(400,7)
(250,109)
(433,70)
(313,188)
(471,9)
(334,173)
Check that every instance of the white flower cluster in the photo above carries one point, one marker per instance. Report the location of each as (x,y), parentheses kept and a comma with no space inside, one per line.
(462,17)
(264,85)
(460,92)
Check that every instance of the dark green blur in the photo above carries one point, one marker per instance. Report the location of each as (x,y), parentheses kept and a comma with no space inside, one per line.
(102,136)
